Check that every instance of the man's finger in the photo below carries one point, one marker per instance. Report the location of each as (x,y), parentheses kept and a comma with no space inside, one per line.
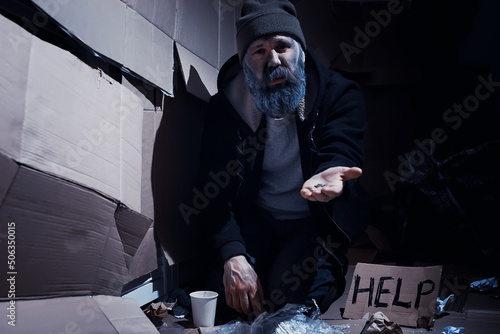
(257,299)
(229,299)
(243,302)
(351,173)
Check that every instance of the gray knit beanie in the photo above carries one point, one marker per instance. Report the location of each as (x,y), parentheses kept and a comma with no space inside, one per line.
(266,17)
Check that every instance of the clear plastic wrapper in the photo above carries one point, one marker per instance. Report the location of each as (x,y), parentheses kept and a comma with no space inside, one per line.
(231,327)
(291,319)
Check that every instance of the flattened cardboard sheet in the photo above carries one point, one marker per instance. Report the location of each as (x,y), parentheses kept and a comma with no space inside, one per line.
(68,119)
(131,114)
(405,295)
(15,46)
(148,51)
(197,28)
(132,227)
(98,314)
(65,236)
(99,24)
(113,29)
(151,122)
(159,12)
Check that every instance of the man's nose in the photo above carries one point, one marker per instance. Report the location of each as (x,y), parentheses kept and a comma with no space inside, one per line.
(274,59)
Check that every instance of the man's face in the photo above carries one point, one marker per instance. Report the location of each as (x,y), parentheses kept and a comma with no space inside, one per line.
(274,73)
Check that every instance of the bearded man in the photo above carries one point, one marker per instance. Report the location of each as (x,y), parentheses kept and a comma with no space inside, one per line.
(281,157)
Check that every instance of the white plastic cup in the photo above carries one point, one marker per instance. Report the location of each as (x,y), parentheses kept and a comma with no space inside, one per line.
(203,305)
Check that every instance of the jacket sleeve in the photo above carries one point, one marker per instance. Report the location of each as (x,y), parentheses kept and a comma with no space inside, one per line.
(340,143)
(217,186)
(342,124)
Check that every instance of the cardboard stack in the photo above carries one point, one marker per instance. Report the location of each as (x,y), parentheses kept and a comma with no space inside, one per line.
(70,188)
(76,147)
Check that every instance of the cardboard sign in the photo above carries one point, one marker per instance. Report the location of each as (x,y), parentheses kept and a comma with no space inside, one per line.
(405,295)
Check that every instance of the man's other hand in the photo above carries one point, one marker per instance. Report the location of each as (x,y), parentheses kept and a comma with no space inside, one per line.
(242,286)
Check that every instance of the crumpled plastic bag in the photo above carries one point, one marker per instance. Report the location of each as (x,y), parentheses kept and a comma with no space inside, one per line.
(291,319)
(441,304)
(453,330)
(379,323)
(485,285)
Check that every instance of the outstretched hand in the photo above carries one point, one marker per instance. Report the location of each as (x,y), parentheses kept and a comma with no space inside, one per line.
(329,184)
(242,286)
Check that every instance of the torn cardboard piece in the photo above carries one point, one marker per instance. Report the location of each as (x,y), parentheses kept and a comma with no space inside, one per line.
(144,260)
(406,295)
(66,238)
(132,228)
(200,77)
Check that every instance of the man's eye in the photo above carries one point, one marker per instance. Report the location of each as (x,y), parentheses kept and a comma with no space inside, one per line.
(259,51)
(281,48)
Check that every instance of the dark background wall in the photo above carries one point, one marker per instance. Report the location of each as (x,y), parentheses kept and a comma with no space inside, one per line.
(433,120)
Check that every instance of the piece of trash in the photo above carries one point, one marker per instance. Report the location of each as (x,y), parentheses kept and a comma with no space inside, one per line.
(157,311)
(379,323)
(319,185)
(441,304)
(487,284)
(453,330)
(295,319)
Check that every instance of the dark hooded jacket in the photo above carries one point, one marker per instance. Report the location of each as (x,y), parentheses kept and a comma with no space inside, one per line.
(330,132)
